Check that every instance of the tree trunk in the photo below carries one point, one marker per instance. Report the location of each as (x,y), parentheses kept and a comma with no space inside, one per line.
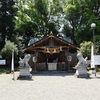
(73,37)
(2,43)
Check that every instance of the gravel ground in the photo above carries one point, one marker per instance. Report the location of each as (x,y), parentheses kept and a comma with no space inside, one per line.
(50,86)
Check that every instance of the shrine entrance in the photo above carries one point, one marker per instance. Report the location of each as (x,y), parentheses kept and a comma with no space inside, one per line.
(51,53)
(52,61)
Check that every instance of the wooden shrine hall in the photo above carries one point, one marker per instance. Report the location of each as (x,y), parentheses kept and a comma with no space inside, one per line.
(52,53)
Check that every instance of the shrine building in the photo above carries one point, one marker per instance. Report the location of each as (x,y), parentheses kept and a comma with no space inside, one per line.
(52,53)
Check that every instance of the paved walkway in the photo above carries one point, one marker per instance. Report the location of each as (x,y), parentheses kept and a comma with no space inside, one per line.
(56,86)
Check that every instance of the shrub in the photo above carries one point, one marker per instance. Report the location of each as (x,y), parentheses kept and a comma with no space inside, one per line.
(85,49)
(6,52)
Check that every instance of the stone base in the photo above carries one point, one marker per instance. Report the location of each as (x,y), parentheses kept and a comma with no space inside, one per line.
(24,77)
(81,72)
(83,76)
(25,73)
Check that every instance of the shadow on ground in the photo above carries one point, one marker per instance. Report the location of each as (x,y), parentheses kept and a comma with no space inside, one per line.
(52,73)
(61,73)
(26,79)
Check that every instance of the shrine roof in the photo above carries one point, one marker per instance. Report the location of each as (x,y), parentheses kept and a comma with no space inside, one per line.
(44,41)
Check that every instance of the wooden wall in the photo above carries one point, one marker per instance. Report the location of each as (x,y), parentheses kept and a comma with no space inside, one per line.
(62,63)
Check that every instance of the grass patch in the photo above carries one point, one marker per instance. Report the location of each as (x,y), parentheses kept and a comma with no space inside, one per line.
(1,70)
(5,69)
(98,69)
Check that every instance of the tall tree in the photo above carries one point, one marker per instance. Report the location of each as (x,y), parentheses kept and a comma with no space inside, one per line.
(79,15)
(6,20)
(37,17)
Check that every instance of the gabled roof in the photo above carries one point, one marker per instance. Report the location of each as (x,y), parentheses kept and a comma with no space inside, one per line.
(45,40)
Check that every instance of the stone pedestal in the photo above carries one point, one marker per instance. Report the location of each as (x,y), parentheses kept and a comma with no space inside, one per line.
(81,71)
(25,73)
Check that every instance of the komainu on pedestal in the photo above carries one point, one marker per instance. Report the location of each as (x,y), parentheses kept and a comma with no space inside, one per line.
(24,68)
(81,67)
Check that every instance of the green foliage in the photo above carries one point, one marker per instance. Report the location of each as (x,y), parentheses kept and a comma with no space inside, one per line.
(79,16)
(7,69)
(6,52)
(37,17)
(19,41)
(97,40)
(2,70)
(0,56)
(85,49)
(29,18)
(7,13)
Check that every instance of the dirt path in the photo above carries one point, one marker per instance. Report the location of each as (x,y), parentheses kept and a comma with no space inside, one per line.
(59,86)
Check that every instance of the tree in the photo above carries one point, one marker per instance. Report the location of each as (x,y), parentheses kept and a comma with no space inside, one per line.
(79,15)
(6,52)
(7,13)
(97,40)
(97,43)
(37,17)
(18,41)
(85,49)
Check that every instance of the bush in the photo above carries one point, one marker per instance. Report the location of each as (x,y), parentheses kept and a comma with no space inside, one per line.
(85,49)
(0,56)
(6,52)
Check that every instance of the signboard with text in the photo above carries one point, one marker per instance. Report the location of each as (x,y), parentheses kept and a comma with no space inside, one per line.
(2,62)
(96,59)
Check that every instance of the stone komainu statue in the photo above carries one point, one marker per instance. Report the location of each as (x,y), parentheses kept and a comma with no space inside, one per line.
(24,62)
(81,67)
(24,67)
(82,61)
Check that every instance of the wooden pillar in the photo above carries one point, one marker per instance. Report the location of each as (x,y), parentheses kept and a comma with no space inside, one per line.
(69,62)
(96,67)
(34,69)
(34,60)
(66,62)
(46,66)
